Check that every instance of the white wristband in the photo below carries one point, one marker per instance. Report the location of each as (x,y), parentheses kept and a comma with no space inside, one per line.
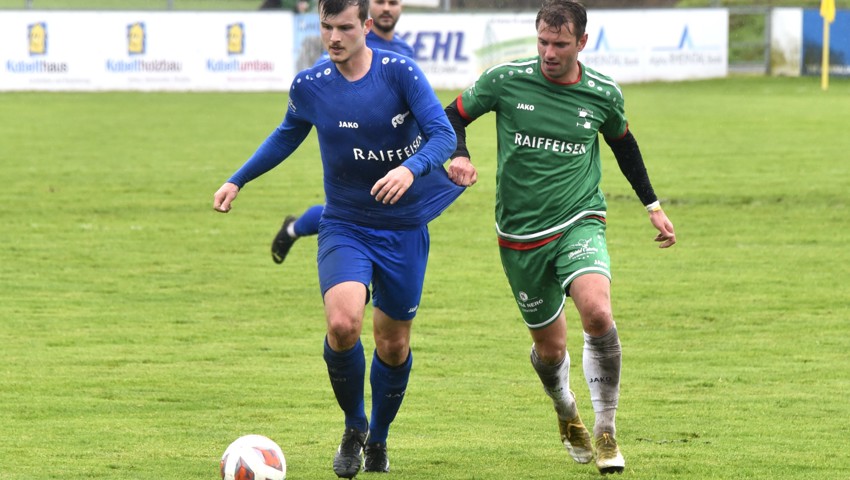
(653,207)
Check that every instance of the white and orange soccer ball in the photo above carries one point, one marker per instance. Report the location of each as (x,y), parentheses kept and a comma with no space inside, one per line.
(253,457)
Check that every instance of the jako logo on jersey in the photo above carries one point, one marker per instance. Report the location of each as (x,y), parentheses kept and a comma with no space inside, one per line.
(399,154)
(399,119)
(544,143)
(525,106)
(348,125)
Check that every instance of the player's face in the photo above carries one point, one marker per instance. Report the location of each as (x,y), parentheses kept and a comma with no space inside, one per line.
(385,13)
(558,50)
(343,35)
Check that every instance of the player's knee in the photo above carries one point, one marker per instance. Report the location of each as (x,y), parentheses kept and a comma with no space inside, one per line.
(344,331)
(597,319)
(392,351)
(550,352)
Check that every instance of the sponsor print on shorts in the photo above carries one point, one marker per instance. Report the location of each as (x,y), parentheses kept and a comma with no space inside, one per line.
(528,305)
(582,249)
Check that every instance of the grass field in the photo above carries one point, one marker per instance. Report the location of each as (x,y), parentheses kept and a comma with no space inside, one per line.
(142,332)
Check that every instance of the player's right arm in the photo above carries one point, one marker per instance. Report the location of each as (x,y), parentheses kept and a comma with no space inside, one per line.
(274,150)
(480,98)
(224,197)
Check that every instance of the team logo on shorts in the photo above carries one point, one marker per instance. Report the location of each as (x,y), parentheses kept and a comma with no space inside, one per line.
(582,249)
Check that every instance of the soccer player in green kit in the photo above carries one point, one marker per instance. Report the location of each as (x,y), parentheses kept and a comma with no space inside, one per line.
(550,212)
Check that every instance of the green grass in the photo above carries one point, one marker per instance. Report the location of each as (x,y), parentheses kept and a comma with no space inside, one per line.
(142,332)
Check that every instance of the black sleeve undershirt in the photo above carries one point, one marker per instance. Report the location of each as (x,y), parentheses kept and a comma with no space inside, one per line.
(630,160)
(459,125)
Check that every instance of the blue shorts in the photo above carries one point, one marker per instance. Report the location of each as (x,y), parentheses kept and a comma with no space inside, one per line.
(391,261)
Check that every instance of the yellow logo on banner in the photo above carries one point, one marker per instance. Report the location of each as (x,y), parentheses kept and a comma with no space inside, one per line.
(136,38)
(37,34)
(236,39)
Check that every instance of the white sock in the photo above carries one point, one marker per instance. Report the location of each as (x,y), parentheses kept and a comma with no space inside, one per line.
(602,362)
(556,384)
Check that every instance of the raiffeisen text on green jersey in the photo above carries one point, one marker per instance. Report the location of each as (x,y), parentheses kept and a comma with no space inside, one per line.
(549,169)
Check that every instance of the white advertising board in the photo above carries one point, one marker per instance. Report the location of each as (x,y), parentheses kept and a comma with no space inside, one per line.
(786,41)
(628,45)
(145,51)
(252,51)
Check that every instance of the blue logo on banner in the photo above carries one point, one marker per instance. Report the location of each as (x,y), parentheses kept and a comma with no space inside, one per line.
(602,45)
(686,42)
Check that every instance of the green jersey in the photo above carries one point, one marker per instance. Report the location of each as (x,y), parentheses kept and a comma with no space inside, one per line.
(548,170)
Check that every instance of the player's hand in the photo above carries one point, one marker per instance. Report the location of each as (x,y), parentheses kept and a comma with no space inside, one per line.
(224,197)
(462,172)
(393,185)
(666,235)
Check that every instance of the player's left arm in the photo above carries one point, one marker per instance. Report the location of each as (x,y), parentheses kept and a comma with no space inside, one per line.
(427,111)
(631,163)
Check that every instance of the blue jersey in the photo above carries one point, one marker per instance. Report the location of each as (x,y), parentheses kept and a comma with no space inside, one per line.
(366,128)
(373,41)
(395,45)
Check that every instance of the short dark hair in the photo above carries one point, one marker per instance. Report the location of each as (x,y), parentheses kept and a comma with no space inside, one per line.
(330,8)
(560,13)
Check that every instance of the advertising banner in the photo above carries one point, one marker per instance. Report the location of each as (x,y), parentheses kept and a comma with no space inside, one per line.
(252,51)
(145,51)
(839,43)
(672,44)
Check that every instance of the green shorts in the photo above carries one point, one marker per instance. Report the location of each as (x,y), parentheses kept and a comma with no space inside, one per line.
(540,278)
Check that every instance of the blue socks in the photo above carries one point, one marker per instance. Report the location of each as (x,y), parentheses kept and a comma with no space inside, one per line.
(308,222)
(388,387)
(347,371)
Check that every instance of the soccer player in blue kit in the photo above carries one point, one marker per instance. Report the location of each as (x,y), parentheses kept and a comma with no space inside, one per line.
(385,15)
(383,137)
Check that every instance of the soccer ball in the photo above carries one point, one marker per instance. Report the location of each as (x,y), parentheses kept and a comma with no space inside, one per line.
(253,457)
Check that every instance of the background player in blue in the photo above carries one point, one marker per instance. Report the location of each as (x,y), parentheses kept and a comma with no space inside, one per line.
(385,15)
(383,137)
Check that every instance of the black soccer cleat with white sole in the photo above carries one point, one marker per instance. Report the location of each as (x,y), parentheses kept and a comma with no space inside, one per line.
(349,455)
(282,241)
(376,458)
